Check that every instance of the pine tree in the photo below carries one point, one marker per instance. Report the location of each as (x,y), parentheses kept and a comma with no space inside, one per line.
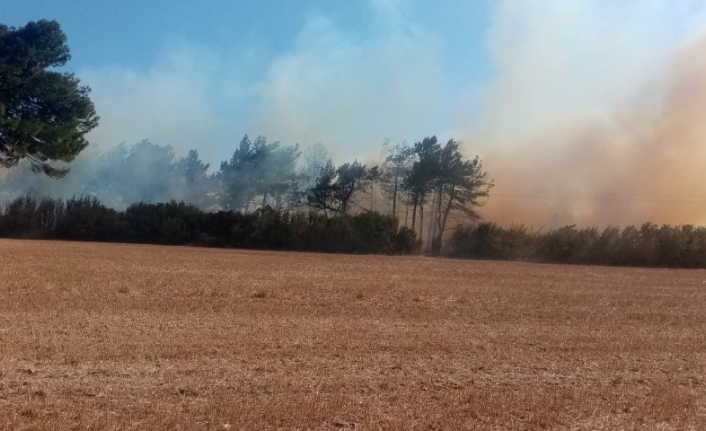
(44,114)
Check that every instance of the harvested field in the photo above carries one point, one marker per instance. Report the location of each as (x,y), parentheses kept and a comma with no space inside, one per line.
(96,336)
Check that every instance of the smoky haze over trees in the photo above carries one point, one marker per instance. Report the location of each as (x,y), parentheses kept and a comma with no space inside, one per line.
(261,171)
(263,174)
(44,115)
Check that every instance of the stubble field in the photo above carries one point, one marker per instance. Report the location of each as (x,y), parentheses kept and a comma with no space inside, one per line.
(96,336)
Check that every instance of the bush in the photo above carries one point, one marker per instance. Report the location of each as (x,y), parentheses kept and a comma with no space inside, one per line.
(29,217)
(374,232)
(490,241)
(86,219)
(406,242)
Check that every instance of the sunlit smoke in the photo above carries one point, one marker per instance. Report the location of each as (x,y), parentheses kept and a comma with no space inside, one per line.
(596,116)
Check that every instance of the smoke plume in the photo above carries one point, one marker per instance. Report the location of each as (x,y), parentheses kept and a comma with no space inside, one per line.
(596,117)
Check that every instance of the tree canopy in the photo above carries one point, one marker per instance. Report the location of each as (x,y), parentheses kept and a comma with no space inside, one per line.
(44,114)
(335,188)
(442,175)
(259,169)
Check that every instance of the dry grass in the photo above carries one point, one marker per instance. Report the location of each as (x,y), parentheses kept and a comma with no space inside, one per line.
(97,336)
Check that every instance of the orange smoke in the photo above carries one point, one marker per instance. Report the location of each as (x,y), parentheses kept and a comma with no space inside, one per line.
(646,163)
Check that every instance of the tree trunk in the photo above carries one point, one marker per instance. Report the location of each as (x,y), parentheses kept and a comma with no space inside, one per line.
(372,192)
(432,230)
(442,219)
(421,221)
(394,200)
(406,215)
(414,213)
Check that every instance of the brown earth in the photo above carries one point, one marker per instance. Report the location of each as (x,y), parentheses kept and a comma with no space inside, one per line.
(96,336)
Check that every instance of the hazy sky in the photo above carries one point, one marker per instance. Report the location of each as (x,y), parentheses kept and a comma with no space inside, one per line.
(557,96)
(201,74)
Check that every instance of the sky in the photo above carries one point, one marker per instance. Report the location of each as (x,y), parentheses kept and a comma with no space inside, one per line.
(202,74)
(561,99)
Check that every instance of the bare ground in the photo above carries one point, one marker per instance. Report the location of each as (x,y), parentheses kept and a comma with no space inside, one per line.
(96,336)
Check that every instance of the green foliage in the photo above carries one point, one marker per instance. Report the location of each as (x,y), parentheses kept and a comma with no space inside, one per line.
(335,188)
(44,114)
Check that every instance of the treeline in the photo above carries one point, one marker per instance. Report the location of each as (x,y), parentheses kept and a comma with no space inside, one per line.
(368,232)
(423,185)
(649,245)
(177,223)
